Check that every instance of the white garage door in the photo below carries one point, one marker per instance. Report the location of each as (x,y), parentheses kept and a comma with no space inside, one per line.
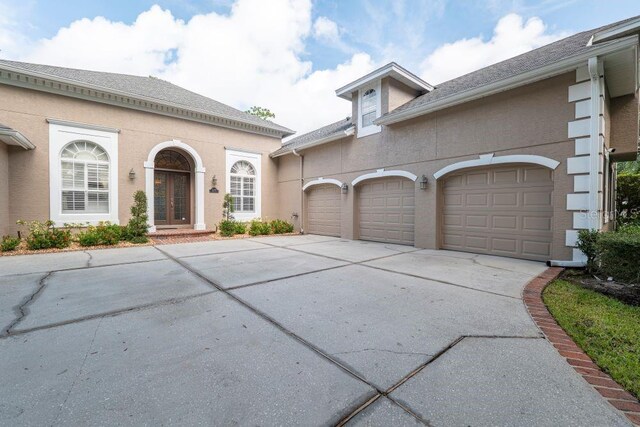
(505,211)
(323,210)
(386,210)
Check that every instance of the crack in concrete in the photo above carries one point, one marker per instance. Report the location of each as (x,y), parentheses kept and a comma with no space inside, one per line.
(112,313)
(22,309)
(416,353)
(89,260)
(75,380)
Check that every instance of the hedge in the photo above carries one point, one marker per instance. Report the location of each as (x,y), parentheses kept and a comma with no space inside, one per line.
(618,256)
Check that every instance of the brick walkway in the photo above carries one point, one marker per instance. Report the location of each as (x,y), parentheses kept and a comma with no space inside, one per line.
(578,359)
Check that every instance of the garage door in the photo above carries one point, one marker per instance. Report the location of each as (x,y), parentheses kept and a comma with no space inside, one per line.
(323,210)
(386,210)
(503,211)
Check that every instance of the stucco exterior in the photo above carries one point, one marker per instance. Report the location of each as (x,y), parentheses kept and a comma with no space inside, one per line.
(27,181)
(4,189)
(530,120)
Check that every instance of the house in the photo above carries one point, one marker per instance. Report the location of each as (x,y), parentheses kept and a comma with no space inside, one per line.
(77,144)
(513,159)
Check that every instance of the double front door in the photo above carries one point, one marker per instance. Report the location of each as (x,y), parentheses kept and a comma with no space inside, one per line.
(171,198)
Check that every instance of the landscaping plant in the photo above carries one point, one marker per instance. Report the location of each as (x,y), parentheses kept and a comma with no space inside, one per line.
(587,240)
(259,228)
(136,229)
(240,227)
(618,256)
(279,226)
(44,235)
(628,198)
(9,243)
(227,207)
(104,233)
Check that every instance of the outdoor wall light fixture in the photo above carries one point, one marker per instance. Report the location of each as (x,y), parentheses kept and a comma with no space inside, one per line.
(214,183)
(132,174)
(423,182)
(344,189)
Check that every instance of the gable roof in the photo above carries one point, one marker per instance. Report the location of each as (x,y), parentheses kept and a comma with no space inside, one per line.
(332,132)
(562,52)
(390,70)
(150,89)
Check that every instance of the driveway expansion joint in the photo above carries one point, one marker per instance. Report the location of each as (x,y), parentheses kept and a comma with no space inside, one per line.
(610,390)
(22,309)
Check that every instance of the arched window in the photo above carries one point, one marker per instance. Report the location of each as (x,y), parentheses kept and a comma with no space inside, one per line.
(369,104)
(243,182)
(85,178)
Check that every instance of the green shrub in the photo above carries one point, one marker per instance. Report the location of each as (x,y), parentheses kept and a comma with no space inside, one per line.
(104,233)
(43,235)
(587,240)
(240,227)
(628,198)
(259,228)
(9,243)
(619,256)
(629,229)
(279,226)
(227,228)
(227,207)
(136,229)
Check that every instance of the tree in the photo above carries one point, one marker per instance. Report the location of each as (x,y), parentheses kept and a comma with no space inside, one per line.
(227,207)
(629,167)
(628,198)
(263,113)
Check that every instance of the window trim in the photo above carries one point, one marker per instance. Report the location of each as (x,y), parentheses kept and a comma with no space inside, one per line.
(59,136)
(371,129)
(255,159)
(242,178)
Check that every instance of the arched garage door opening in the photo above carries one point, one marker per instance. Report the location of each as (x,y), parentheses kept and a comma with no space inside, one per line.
(385,210)
(323,210)
(504,210)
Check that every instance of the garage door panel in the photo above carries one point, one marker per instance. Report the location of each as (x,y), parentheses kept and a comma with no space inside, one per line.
(323,210)
(515,220)
(386,210)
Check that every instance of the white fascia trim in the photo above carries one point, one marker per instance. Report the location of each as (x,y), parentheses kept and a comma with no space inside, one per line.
(381,173)
(13,137)
(347,132)
(617,31)
(82,125)
(320,181)
(538,74)
(392,69)
(233,156)
(489,159)
(47,83)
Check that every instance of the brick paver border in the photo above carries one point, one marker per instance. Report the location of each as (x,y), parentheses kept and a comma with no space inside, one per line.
(578,359)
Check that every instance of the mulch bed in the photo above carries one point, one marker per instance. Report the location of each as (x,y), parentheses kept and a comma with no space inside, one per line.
(75,246)
(627,293)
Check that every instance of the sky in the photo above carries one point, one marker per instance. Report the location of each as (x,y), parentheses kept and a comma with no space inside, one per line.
(289,55)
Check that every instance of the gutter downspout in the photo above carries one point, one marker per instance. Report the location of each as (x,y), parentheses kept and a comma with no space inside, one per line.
(295,153)
(554,263)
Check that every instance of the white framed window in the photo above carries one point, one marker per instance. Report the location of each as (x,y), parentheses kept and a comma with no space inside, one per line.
(369,106)
(83,164)
(243,183)
(242,187)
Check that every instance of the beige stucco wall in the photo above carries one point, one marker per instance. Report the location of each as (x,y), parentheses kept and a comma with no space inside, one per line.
(624,127)
(527,120)
(4,189)
(140,132)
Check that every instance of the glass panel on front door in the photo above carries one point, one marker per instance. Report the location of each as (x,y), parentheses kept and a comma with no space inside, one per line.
(171,198)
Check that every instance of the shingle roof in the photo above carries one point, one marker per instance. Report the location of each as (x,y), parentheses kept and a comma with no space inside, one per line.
(571,46)
(149,87)
(325,132)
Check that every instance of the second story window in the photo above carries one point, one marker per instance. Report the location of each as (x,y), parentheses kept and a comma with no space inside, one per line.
(369,107)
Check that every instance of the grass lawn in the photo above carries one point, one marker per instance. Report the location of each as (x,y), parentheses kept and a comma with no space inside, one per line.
(605,328)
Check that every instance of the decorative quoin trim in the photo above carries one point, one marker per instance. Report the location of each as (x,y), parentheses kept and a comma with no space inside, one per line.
(199,181)
(320,181)
(489,159)
(380,173)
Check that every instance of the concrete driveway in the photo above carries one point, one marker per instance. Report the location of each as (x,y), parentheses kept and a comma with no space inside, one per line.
(303,330)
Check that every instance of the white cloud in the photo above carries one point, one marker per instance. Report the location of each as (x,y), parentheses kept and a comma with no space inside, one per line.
(250,56)
(511,36)
(325,29)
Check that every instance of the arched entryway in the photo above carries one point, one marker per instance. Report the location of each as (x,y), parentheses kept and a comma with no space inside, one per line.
(174,176)
(172,189)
